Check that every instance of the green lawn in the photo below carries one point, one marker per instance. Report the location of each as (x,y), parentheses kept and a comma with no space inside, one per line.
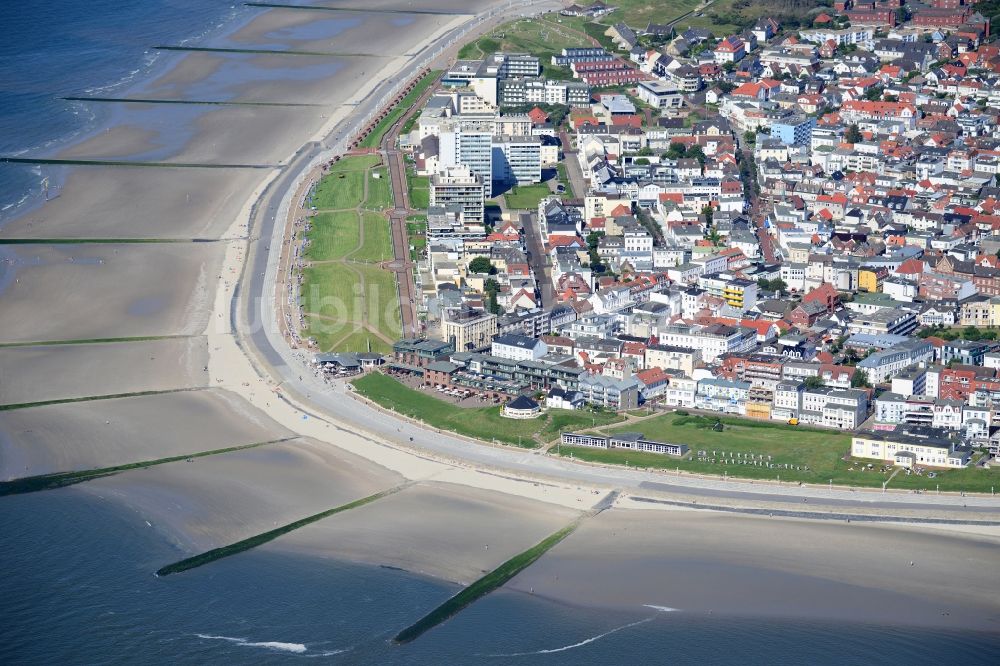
(380,300)
(334,292)
(377,246)
(362,340)
(638,13)
(420,193)
(333,235)
(483,423)
(328,334)
(331,290)
(379,190)
(819,450)
(526,197)
(354,163)
(339,191)
(416,224)
(479,422)
(375,138)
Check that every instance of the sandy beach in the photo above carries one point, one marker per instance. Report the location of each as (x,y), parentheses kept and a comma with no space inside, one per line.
(78,292)
(442,530)
(216,500)
(703,562)
(101,369)
(199,203)
(103,433)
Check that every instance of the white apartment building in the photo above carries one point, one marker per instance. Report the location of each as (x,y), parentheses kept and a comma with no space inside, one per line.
(712,341)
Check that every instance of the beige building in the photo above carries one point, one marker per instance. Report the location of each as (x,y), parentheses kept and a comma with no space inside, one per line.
(469,329)
(913,446)
(667,357)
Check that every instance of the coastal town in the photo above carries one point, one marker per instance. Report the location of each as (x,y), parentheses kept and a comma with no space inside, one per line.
(479,331)
(791,224)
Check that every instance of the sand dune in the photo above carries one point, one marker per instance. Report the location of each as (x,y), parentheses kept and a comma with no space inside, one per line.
(741,565)
(69,292)
(31,374)
(217,500)
(103,433)
(436,529)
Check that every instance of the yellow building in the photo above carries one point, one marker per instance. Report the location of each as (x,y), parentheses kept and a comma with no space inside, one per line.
(758,410)
(870,279)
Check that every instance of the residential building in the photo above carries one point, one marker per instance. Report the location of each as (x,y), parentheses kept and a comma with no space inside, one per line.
(469,330)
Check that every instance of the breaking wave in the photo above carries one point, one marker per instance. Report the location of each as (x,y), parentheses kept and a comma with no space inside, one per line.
(587,641)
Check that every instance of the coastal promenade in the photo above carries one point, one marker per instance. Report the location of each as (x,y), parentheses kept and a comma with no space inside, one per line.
(256,319)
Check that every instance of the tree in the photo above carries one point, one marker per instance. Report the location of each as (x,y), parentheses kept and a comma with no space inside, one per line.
(971,333)
(780,286)
(707,212)
(490,288)
(482,265)
(695,152)
(853,134)
(874,94)
(750,137)
(859,379)
(676,151)
(814,382)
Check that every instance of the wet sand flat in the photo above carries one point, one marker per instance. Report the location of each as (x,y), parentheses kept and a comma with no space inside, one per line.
(435,529)
(218,500)
(101,202)
(105,433)
(261,77)
(115,142)
(241,135)
(54,372)
(456,6)
(73,292)
(702,562)
(380,34)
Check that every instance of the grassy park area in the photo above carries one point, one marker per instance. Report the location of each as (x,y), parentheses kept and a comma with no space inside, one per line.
(526,197)
(804,455)
(379,195)
(483,423)
(350,304)
(419,190)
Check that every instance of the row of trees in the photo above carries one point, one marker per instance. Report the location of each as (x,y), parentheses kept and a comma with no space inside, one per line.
(967,333)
